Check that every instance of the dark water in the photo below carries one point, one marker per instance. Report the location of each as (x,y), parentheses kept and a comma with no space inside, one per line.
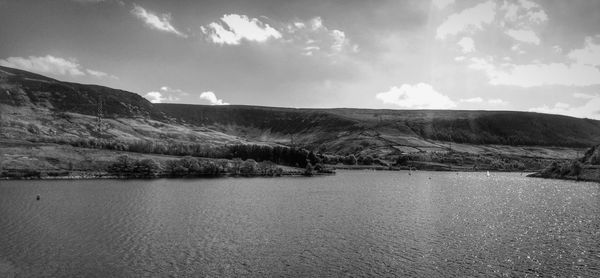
(357,223)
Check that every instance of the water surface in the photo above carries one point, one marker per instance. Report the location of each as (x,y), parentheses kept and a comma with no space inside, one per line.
(355,223)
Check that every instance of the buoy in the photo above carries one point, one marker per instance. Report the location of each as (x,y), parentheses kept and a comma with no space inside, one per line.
(38,197)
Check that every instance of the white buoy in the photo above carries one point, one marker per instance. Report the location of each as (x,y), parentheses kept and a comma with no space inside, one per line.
(488,173)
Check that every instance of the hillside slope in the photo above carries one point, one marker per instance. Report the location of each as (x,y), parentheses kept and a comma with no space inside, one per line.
(384,132)
(22,88)
(33,106)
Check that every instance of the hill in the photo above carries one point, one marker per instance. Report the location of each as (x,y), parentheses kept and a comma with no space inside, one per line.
(22,88)
(382,132)
(38,109)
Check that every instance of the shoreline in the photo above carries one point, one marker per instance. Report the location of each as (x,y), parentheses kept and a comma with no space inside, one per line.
(106,176)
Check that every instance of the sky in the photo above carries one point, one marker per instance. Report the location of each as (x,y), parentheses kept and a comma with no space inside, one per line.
(523,55)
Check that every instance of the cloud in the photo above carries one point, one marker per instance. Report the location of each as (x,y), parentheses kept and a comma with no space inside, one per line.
(155,21)
(522,35)
(46,64)
(581,71)
(538,74)
(523,12)
(339,39)
(155,97)
(469,19)
(51,65)
(497,101)
(317,38)
(236,28)
(494,101)
(472,100)
(589,55)
(165,94)
(88,1)
(467,44)
(99,74)
(591,109)
(418,96)
(584,96)
(441,4)
(212,98)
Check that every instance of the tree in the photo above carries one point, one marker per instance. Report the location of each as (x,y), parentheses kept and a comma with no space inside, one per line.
(248,167)
(367,160)
(309,171)
(312,158)
(147,168)
(402,160)
(123,166)
(236,165)
(350,160)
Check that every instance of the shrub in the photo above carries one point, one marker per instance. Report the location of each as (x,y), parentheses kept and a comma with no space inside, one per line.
(350,160)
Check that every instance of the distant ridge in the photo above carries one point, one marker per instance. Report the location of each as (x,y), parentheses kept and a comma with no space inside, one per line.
(460,126)
(336,130)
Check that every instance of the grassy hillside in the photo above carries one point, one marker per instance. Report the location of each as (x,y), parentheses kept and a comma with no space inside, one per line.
(386,133)
(471,127)
(34,108)
(22,88)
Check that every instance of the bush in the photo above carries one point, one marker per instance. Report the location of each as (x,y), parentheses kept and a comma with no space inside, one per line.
(350,160)
(147,168)
(248,167)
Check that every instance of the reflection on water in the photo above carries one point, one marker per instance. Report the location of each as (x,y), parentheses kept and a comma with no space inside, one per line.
(355,223)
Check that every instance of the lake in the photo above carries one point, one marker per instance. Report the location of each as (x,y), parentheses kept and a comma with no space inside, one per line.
(356,223)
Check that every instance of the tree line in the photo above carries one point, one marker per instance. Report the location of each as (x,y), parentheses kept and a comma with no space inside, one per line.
(284,155)
(127,167)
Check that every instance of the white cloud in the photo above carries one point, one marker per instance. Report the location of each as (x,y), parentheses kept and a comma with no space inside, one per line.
(467,44)
(533,75)
(100,74)
(523,12)
(497,101)
(557,49)
(212,98)
(88,1)
(165,94)
(46,64)
(441,4)
(584,96)
(523,35)
(318,38)
(51,65)
(419,96)
(590,109)
(589,55)
(528,5)
(472,100)
(494,101)
(583,71)
(469,19)
(159,97)
(339,39)
(316,23)
(155,21)
(236,28)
